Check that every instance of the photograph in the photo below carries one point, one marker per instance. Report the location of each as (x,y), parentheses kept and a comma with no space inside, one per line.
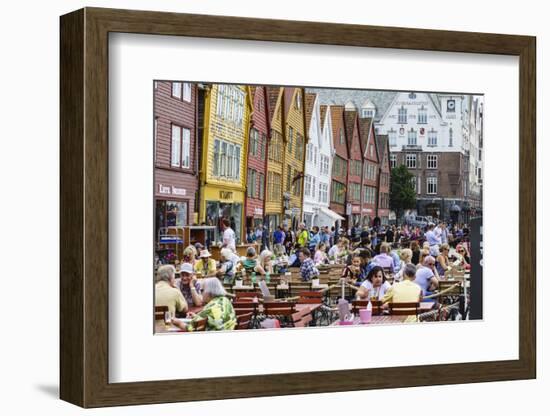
(300,207)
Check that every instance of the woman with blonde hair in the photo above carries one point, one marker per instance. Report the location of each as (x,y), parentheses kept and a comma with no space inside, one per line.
(406,258)
(190,255)
(264,264)
(442,263)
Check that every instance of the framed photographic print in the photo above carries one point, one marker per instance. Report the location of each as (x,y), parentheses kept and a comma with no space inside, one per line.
(314,207)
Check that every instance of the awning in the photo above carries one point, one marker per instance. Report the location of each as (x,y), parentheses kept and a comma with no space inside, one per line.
(331,214)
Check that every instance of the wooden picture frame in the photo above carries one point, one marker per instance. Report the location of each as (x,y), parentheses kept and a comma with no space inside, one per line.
(84,207)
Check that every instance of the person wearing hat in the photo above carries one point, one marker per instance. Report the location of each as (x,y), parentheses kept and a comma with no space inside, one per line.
(190,288)
(205,265)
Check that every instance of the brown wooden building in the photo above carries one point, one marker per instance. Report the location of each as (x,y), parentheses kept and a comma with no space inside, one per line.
(257,158)
(175,159)
(338,187)
(355,168)
(369,146)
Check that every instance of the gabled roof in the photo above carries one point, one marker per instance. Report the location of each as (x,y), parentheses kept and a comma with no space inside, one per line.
(364,131)
(382,141)
(323,113)
(349,121)
(309,106)
(288,95)
(336,116)
(273,95)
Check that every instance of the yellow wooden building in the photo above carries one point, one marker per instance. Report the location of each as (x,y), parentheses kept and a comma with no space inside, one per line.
(294,157)
(226,121)
(275,159)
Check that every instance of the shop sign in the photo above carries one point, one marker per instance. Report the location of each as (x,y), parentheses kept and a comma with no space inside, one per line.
(163,189)
(348,209)
(295,211)
(226,195)
(178,191)
(258,211)
(367,210)
(355,209)
(171,190)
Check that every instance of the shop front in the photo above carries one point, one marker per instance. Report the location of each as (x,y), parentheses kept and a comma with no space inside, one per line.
(223,203)
(367,215)
(254,219)
(355,215)
(174,210)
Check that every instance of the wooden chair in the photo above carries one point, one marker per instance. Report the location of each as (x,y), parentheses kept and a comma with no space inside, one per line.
(159,312)
(244,320)
(239,295)
(283,310)
(200,324)
(228,287)
(301,318)
(296,288)
(404,308)
(313,297)
(362,304)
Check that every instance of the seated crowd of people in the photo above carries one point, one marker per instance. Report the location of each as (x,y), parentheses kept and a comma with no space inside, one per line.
(366,262)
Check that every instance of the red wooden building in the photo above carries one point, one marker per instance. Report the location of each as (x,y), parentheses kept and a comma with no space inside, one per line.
(257,158)
(355,168)
(370,171)
(175,161)
(338,186)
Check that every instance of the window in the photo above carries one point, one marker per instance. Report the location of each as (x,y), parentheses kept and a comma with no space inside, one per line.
(251,184)
(324,165)
(451,137)
(402,115)
(176,89)
(323,192)
(309,152)
(419,187)
(393,161)
(369,195)
(367,113)
(371,149)
(263,144)
(338,192)
(411,161)
(422,116)
(275,147)
(298,100)
(307,185)
(432,138)
(315,155)
(355,191)
(230,104)
(181,147)
(431,161)
(313,186)
(297,184)
(226,158)
(341,136)
(431,185)
(253,142)
(411,138)
(413,182)
(261,180)
(393,138)
(412,96)
(274,186)
(187,91)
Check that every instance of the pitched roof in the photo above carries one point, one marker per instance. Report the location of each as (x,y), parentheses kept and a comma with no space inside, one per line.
(364,130)
(310,101)
(273,95)
(336,113)
(381,144)
(381,99)
(322,113)
(349,121)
